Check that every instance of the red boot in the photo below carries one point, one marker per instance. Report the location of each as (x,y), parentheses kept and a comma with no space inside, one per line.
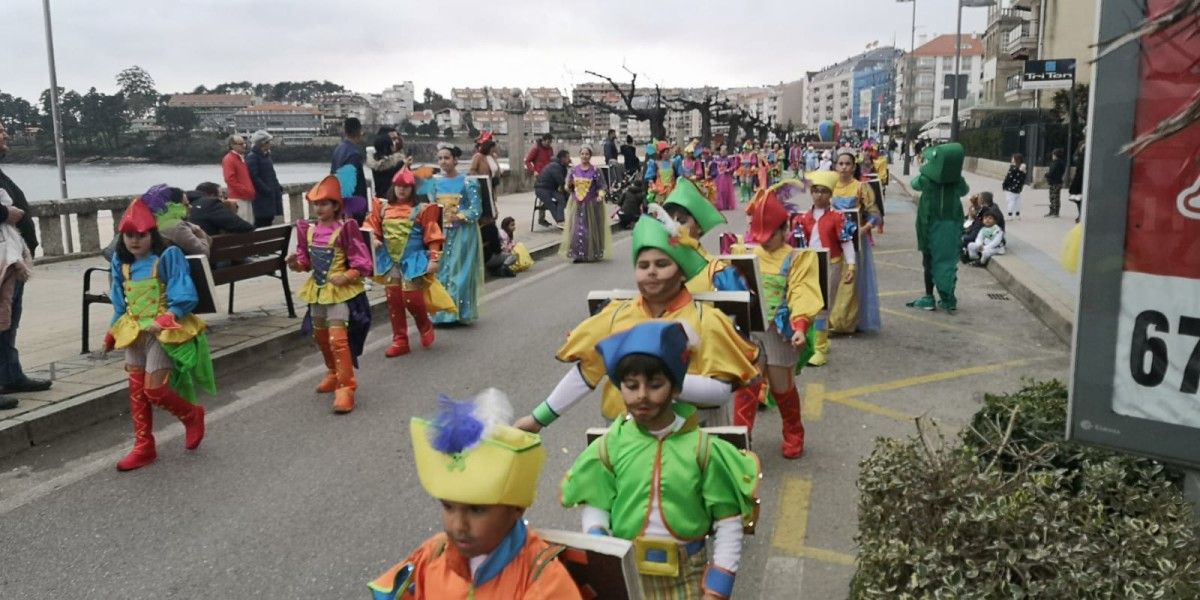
(395,302)
(142,414)
(415,301)
(343,399)
(793,426)
(191,415)
(745,405)
(329,383)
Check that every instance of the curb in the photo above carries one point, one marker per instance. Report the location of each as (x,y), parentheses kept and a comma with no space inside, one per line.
(1030,287)
(42,425)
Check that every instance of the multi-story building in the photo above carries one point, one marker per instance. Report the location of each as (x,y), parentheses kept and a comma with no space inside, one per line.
(537,122)
(495,121)
(921,90)
(285,121)
(854,91)
(596,119)
(449,118)
(1020,30)
(214,112)
(544,99)
(792,103)
(338,107)
(484,98)
(394,104)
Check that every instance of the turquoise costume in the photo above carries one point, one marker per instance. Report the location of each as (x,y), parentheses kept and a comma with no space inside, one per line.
(461,266)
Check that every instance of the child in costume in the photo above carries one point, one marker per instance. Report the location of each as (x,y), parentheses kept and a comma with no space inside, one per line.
(587,236)
(333,249)
(792,294)
(824,227)
(409,232)
(939,219)
(722,361)
(988,243)
(461,264)
(661,173)
(855,305)
(747,171)
(690,213)
(1014,182)
(484,473)
(166,350)
(711,487)
(725,166)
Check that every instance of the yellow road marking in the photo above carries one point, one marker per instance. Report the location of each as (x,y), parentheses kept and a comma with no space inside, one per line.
(943,325)
(896,384)
(900,293)
(896,251)
(868,407)
(791,524)
(814,401)
(899,266)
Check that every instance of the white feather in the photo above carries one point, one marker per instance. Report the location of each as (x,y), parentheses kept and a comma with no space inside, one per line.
(693,336)
(661,214)
(493,408)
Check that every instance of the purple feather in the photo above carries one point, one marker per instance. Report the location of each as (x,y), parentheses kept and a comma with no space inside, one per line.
(455,427)
(156,198)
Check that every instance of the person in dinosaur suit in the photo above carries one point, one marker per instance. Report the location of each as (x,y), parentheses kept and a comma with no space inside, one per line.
(939,223)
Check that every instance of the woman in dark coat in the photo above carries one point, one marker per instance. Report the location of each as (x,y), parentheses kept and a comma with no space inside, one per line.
(268,194)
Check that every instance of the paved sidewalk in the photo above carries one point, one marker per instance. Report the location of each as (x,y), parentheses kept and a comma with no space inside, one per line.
(1031,269)
(90,387)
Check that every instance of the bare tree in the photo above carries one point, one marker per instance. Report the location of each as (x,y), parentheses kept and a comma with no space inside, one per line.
(655,113)
(708,104)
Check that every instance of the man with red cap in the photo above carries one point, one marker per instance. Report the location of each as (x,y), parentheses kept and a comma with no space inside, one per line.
(332,249)
(792,294)
(166,351)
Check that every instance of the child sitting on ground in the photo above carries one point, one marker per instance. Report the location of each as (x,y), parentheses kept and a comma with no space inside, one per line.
(711,483)
(484,473)
(988,243)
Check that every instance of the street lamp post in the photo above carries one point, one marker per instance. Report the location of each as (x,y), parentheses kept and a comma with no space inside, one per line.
(958,61)
(56,116)
(909,94)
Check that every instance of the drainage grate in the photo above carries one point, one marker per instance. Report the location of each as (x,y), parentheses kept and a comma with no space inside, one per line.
(998,296)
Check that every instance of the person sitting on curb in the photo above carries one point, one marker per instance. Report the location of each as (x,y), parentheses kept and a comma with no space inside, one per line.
(988,243)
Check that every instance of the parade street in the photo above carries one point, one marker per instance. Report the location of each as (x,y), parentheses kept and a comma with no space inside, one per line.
(286,500)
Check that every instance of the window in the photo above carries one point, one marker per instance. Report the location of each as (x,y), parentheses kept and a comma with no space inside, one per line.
(927,62)
(948,63)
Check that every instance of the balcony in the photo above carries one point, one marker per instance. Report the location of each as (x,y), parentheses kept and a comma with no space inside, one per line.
(1001,19)
(1012,89)
(1021,43)
(1026,5)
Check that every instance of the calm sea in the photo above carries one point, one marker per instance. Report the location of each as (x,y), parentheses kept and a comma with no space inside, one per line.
(40,182)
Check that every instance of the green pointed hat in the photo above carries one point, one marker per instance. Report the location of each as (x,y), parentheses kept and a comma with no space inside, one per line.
(687,195)
(651,233)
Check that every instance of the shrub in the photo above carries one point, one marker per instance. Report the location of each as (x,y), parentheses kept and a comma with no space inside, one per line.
(1012,510)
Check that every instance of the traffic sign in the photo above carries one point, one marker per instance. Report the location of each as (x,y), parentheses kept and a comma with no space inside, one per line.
(949,90)
(1048,74)
(1136,358)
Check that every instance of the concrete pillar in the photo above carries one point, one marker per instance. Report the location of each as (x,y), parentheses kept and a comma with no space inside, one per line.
(89,231)
(52,235)
(516,144)
(295,207)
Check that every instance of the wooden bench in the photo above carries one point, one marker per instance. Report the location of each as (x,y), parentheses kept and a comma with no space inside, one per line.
(232,258)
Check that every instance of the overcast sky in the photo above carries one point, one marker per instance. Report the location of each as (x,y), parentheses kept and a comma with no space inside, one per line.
(450,44)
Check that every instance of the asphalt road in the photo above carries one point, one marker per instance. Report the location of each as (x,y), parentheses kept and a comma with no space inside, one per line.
(287,500)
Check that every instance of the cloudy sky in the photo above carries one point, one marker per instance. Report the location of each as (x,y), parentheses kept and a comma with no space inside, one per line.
(371,44)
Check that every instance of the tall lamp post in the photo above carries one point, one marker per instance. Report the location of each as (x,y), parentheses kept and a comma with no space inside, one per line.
(958,60)
(909,95)
(56,116)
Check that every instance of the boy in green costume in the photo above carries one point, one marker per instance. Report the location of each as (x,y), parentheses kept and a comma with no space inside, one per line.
(939,223)
(657,479)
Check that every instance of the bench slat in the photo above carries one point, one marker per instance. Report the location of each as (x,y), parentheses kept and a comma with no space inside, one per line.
(235,273)
(250,237)
(223,253)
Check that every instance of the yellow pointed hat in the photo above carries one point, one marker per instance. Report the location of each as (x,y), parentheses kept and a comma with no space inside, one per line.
(827,179)
(468,453)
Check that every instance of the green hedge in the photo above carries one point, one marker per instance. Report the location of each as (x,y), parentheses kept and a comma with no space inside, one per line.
(1009,509)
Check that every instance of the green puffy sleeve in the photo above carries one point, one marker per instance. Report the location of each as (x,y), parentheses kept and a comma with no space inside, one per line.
(590,481)
(730,481)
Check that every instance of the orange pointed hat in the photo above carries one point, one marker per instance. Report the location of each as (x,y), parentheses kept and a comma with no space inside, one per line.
(137,218)
(767,214)
(326,189)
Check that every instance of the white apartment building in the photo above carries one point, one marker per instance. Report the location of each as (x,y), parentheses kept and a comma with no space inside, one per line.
(931,63)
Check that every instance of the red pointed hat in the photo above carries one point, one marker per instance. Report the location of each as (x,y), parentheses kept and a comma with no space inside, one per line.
(767,214)
(137,218)
(404,177)
(326,189)
(485,136)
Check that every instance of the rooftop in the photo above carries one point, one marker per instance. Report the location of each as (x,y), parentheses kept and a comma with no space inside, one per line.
(943,45)
(279,107)
(196,100)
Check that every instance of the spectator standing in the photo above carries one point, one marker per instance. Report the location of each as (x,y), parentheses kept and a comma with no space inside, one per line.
(610,147)
(633,166)
(210,214)
(237,177)
(268,194)
(1054,177)
(1014,182)
(389,158)
(484,163)
(540,155)
(12,376)
(1075,191)
(551,191)
(347,166)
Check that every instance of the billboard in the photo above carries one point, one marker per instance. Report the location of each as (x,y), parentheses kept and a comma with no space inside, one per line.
(1056,74)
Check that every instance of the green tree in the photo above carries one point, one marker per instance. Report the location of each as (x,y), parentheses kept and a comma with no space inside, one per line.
(1062,104)
(449,132)
(69,103)
(102,119)
(138,88)
(180,119)
(429,129)
(17,112)
(433,101)
(408,128)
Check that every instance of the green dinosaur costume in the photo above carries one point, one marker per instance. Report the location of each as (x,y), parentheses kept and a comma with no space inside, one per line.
(939,222)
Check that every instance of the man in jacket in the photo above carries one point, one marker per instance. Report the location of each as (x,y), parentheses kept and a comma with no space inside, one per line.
(550,190)
(237,177)
(347,166)
(540,155)
(12,376)
(268,194)
(210,214)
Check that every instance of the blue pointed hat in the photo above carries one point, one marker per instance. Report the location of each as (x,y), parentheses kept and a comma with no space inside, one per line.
(665,340)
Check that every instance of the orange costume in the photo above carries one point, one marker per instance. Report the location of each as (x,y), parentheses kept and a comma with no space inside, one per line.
(437,571)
